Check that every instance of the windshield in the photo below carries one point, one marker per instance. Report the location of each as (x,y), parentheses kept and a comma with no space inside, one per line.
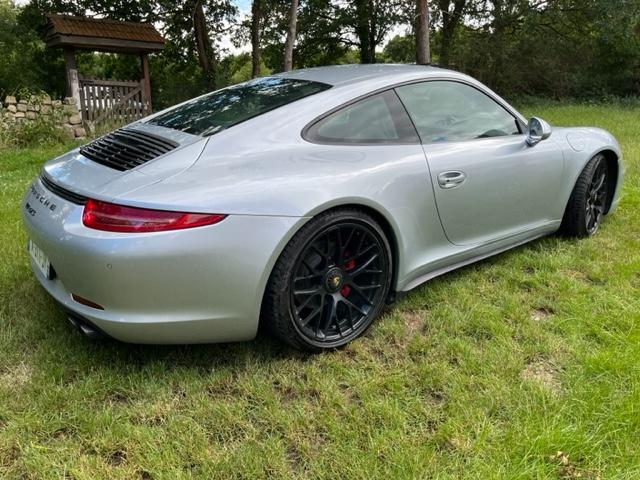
(222,109)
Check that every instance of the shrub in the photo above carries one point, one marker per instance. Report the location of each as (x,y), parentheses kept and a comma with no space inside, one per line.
(37,127)
(25,133)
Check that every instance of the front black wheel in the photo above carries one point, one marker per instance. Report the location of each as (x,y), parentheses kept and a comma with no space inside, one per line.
(588,202)
(330,282)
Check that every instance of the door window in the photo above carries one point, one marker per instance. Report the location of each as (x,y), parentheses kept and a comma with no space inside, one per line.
(444,111)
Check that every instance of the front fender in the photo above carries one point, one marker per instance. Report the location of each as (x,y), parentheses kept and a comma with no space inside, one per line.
(579,146)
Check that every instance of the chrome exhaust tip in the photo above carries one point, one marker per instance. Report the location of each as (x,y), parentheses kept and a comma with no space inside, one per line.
(85,328)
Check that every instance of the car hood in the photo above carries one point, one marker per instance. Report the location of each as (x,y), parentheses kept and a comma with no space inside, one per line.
(82,175)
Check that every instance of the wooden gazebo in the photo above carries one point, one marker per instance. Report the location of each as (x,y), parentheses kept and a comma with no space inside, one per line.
(101,100)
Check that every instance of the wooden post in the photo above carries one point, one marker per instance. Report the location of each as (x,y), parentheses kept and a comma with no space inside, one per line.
(70,64)
(146,82)
(75,86)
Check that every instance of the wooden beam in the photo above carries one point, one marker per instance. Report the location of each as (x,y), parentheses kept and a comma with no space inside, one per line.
(100,44)
(109,83)
(146,81)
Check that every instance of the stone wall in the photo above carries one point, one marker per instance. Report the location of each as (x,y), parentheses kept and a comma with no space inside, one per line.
(63,113)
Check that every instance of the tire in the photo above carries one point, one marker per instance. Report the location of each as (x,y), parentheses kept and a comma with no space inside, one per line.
(330,282)
(588,201)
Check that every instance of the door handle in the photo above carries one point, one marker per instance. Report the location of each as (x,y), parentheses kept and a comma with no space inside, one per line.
(451,179)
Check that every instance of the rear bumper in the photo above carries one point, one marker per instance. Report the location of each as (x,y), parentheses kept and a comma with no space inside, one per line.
(199,285)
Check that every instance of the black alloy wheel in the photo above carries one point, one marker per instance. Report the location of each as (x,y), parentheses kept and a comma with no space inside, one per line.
(589,199)
(337,271)
(596,198)
(339,277)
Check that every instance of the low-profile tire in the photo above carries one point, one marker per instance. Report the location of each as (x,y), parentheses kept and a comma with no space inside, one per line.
(588,201)
(330,282)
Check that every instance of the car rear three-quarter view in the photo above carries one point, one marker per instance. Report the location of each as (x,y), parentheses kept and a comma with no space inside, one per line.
(305,201)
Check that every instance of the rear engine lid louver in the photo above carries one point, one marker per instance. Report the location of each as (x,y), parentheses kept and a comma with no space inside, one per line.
(125,148)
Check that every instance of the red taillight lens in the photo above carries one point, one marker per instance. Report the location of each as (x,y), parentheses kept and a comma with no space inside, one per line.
(118,218)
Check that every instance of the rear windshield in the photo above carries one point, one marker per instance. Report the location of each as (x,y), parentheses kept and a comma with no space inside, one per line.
(225,108)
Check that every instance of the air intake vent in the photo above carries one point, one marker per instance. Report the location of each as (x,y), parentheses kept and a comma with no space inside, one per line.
(68,195)
(125,149)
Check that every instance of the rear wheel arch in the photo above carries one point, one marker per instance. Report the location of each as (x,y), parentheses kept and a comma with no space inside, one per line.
(388,230)
(378,216)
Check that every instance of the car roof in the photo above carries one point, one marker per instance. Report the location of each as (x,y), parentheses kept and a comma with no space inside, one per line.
(356,79)
(339,75)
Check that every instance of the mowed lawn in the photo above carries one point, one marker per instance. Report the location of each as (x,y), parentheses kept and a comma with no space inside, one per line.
(526,365)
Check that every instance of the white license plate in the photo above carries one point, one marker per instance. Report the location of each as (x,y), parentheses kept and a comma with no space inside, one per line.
(40,259)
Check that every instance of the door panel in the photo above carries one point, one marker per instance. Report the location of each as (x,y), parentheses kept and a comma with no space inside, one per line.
(488,183)
(501,186)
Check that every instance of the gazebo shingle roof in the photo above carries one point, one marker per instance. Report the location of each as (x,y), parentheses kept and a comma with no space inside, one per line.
(102,34)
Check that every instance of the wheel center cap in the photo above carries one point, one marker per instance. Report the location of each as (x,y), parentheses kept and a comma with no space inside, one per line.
(333,280)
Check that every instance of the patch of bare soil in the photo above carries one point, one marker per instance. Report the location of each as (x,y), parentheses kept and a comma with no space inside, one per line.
(540,314)
(543,373)
(569,470)
(116,457)
(414,320)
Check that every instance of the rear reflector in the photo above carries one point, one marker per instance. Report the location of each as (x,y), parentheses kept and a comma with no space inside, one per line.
(119,218)
(86,302)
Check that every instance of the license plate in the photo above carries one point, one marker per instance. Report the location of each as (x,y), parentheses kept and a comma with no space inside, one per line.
(40,259)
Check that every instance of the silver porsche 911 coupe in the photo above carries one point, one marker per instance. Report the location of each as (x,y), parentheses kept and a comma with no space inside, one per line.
(304,201)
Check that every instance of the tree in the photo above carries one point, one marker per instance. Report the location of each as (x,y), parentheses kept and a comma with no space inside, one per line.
(553,48)
(451,18)
(256,19)
(365,23)
(206,57)
(291,36)
(423,50)
(319,34)
(400,49)
(366,26)
(192,29)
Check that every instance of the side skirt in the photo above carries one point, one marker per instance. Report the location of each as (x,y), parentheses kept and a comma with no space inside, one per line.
(534,235)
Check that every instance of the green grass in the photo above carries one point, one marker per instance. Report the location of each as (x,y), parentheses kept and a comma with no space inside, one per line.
(487,372)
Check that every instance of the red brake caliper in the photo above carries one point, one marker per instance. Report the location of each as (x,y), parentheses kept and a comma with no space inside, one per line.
(348,265)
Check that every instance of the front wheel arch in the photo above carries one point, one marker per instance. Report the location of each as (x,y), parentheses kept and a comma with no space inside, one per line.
(613,170)
(576,220)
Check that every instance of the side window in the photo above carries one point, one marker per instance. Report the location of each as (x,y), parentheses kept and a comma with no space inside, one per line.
(378,119)
(445,111)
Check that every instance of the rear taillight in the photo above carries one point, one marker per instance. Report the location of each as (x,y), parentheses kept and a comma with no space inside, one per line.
(119,218)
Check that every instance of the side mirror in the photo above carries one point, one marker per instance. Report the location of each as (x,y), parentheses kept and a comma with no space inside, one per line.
(538,131)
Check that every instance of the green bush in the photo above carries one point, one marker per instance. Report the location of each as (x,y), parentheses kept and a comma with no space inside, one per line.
(43,130)
(28,133)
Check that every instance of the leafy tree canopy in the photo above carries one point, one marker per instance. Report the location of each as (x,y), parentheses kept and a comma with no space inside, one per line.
(578,48)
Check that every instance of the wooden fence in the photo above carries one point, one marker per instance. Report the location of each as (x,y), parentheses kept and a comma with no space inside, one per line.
(106,104)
